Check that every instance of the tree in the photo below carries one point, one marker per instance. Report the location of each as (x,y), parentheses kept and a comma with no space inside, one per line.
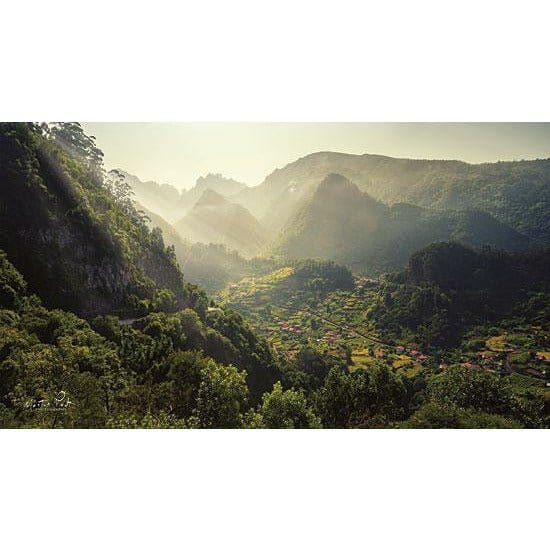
(122,192)
(446,415)
(72,138)
(335,400)
(221,397)
(487,392)
(185,376)
(285,409)
(12,284)
(163,300)
(314,362)
(374,395)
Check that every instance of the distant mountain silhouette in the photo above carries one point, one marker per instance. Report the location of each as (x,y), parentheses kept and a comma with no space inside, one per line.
(171,203)
(214,219)
(340,222)
(163,199)
(515,193)
(226,187)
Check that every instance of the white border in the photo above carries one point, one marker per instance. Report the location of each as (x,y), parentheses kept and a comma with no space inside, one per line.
(306,60)
(273,490)
(284,60)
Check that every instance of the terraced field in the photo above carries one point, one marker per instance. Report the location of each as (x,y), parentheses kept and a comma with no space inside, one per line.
(335,322)
(339,323)
(520,352)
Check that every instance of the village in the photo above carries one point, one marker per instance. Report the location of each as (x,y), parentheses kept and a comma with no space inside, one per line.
(337,322)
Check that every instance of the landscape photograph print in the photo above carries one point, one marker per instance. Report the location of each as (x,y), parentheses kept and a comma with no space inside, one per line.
(274,275)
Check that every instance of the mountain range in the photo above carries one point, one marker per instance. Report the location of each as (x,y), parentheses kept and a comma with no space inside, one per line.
(516,193)
(395,207)
(340,222)
(173,203)
(93,301)
(214,219)
(203,214)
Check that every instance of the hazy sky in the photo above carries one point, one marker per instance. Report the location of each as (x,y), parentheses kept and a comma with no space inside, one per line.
(178,153)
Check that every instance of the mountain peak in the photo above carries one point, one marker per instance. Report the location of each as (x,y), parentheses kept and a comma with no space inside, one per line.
(336,181)
(210,197)
(336,187)
(215,219)
(218,182)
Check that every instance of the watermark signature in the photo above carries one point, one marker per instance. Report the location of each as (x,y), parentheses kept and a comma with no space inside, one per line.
(61,402)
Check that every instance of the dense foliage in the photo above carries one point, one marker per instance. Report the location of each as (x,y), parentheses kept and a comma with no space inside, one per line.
(447,289)
(60,370)
(73,233)
(177,370)
(320,275)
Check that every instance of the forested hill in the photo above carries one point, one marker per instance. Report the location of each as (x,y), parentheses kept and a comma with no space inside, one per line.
(164,370)
(75,246)
(73,232)
(448,288)
(342,223)
(516,193)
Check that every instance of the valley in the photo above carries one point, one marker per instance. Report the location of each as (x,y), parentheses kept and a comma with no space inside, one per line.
(341,323)
(343,291)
